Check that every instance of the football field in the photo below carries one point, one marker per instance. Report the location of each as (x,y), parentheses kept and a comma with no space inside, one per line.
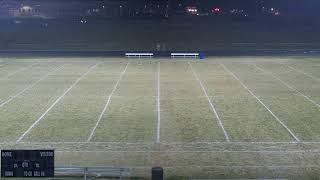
(223,117)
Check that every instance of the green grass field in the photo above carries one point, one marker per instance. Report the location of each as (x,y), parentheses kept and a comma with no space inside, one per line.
(248,117)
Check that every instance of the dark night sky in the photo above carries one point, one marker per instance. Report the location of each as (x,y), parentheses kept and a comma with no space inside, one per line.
(290,6)
(310,7)
(283,4)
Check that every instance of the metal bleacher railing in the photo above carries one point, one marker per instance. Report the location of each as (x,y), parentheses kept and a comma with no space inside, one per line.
(92,172)
(139,55)
(184,55)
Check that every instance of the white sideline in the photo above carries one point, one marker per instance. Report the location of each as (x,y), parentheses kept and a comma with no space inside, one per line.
(240,179)
(107,104)
(158,105)
(165,143)
(288,86)
(29,87)
(189,151)
(234,166)
(19,70)
(210,103)
(56,102)
(276,117)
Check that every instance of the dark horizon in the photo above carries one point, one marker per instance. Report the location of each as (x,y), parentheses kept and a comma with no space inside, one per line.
(284,4)
(252,7)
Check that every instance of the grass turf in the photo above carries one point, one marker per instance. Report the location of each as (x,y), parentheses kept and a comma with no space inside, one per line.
(192,144)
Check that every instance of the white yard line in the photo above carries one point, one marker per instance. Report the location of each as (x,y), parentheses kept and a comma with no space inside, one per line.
(29,87)
(19,70)
(107,103)
(164,143)
(276,117)
(312,77)
(158,105)
(301,72)
(210,103)
(288,86)
(56,102)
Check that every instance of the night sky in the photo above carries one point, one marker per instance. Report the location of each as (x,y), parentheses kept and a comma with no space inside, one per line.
(284,4)
(289,7)
(293,6)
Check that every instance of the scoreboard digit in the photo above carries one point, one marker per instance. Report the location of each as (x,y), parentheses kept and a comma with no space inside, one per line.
(27,163)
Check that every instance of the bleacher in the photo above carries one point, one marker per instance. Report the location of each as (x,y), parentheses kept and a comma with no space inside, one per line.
(139,55)
(185,55)
(173,55)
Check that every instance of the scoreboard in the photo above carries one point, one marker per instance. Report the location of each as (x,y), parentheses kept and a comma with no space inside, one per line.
(27,163)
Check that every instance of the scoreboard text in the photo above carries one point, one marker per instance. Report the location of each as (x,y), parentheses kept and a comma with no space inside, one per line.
(27,163)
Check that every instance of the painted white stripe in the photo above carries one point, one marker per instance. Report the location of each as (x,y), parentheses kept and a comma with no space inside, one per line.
(243,166)
(56,102)
(166,143)
(19,70)
(301,72)
(241,179)
(210,103)
(235,142)
(191,151)
(273,167)
(29,87)
(107,104)
(288,86)
(158,105)
(276,117)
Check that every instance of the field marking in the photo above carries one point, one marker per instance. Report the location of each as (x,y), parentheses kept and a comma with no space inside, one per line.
(287,85)
(312,77)
(158,105)
(186,151)
(301,72)
(163,143)
(232,166)
(29,87)
(19,70)
(228,167)
(239,179)
(107,104)
(258,99)
(210,103)
(56,102)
